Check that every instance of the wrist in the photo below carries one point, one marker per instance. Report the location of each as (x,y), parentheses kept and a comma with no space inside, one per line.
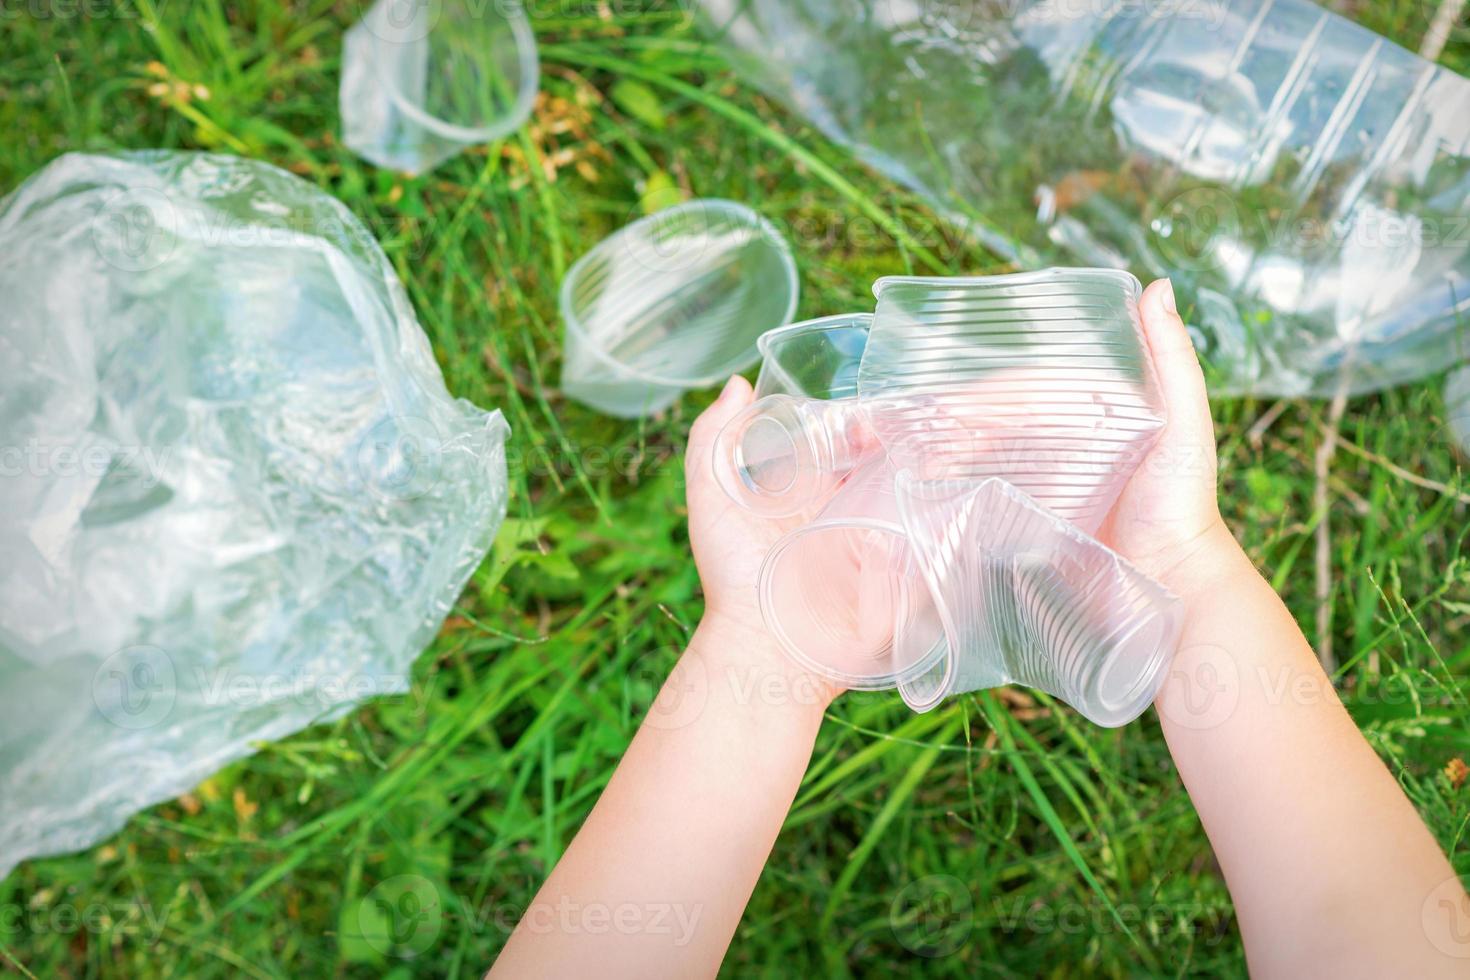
(1201,565)
(744,666)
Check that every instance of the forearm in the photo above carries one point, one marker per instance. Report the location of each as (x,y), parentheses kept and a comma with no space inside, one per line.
(684,827)
(1328,863)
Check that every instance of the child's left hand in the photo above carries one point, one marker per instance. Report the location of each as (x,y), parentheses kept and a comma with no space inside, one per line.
(729,545)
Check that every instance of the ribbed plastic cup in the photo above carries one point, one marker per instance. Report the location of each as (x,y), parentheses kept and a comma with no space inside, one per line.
(814,359)
(836,591)
(673,301)
(1042,379)
(1022,596)
(423,79)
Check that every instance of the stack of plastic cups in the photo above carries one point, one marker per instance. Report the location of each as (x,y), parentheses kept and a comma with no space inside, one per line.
(992,426)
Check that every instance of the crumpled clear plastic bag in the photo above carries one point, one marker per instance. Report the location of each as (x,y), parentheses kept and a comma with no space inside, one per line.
(235,495)
(1303,180)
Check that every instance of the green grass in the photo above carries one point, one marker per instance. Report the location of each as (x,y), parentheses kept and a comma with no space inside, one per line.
(1076,848)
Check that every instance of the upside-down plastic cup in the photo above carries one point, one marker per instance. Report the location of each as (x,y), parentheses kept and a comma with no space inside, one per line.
(836,591)
(1041,379)
(673,301)
(423,79)
(814,359)
(1022,596)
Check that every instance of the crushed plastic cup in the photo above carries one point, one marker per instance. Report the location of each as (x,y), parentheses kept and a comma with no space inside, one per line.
(424,79)
(837,590)
(1022,596)
(1041,379)
(815,358)
(674,301)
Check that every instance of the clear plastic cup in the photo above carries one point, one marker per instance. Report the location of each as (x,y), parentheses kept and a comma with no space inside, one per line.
(423,79)
(814,359)
(1022,596)
(805,430)
(673,301)
(781,455)
(836,591)
(1041,379)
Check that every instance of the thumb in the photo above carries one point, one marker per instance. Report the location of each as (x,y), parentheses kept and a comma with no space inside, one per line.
(1181,380)
(734,397)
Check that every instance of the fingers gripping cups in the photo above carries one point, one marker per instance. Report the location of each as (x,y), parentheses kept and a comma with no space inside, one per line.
(673,301)
(1025,597)
(976,433)
(836,591)
(1042,379)
(423,79)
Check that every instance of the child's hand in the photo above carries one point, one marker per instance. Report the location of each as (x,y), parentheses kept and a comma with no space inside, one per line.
(1167,521)
(729,544)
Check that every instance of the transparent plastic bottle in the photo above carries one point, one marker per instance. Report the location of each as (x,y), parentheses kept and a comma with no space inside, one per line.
(1303,180)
